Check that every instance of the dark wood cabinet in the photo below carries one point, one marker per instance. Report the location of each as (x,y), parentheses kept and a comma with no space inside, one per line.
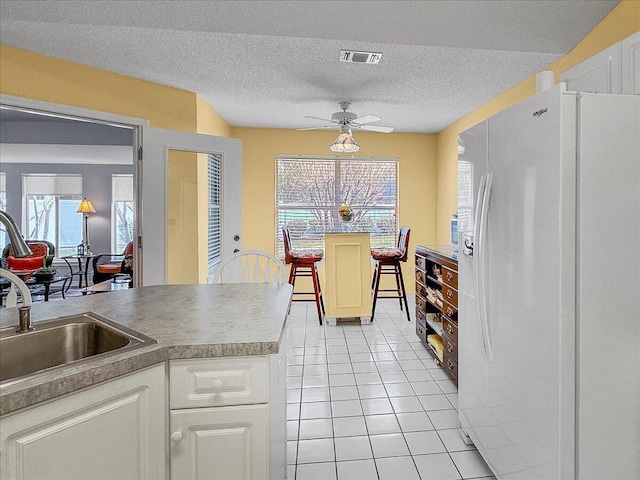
(437,304)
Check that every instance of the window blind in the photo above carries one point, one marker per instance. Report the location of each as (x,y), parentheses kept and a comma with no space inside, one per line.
(310,190)
(52,184)
(214,212)
(122,188)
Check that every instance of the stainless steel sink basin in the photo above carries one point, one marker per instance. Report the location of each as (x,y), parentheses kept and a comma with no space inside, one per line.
(62,342)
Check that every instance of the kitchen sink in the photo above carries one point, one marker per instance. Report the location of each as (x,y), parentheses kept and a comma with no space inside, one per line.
(63,342)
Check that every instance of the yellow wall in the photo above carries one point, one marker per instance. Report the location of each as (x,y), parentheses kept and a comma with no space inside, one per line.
(622,21)
(39,77)
(416,154)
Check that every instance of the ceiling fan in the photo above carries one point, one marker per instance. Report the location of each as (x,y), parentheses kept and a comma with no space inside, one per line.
(347,120)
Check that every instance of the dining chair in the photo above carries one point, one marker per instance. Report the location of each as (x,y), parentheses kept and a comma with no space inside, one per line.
(250,266)
(303,264)
(387,262)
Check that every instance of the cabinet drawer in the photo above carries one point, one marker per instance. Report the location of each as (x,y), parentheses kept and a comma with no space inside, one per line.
(421,332)
(421,304)
(421,277)
(450,366)
(450,311)
(216,382)
(421,263)
(421,317)
(450,346)
(450,295)
(451,329)
(421,290)
(450,277)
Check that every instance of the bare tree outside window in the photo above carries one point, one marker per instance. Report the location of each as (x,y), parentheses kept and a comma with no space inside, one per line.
(54,218)
(310,191)
(124,224)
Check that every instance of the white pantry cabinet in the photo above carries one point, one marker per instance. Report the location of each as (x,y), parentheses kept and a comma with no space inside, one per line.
(114,430)
(614,70)
(228,417)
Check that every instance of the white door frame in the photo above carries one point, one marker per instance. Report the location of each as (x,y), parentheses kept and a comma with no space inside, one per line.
(97,116)
(157,142)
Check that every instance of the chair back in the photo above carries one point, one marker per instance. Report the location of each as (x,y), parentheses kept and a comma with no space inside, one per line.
(39,248)
(250,266)
(128,250)
(286,239)
(403,242)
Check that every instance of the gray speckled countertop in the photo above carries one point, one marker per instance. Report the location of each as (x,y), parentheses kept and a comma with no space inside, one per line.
(188,321)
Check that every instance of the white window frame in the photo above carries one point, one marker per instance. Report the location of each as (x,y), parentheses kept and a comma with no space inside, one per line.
(114,208)
(379,238)
(62,189)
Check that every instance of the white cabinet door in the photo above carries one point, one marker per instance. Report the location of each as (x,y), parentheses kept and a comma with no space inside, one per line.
(115,430)
(631,65)
(158,145)
(226,443)
(599,74)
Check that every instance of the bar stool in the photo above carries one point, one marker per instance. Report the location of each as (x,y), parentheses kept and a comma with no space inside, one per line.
(303,264)
(387,262)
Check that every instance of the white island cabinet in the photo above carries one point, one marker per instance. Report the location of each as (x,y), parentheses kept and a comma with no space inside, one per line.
(113,430)
(208,401)
(228,418)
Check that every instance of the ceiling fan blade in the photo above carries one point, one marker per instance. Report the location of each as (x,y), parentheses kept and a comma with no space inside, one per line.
(376,128)
(367,119)
(321,127)
(318,118)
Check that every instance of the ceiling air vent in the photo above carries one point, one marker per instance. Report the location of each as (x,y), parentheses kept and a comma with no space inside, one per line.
(351,56)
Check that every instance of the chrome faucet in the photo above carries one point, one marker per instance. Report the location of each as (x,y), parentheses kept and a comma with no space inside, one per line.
(20,249)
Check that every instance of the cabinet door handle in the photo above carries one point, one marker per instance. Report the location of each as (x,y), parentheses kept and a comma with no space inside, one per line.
(449,276)
(449,294)
(449,347)
(217,384)
(176,437)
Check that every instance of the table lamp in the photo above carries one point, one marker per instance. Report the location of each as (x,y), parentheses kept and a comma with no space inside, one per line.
(85,208)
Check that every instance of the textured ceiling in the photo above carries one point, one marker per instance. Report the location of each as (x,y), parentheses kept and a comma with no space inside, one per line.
(270,63)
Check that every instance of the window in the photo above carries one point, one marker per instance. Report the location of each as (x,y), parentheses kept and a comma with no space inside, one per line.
(309,192)
(122,211)
(51,202)
(214,241)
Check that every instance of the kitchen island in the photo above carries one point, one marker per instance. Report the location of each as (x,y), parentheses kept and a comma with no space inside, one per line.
(218,374)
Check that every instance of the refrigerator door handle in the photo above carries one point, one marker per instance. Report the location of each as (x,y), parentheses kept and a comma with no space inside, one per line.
(482,263)
(477,255)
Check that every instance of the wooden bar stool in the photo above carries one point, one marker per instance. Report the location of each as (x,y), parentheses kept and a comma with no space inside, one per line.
(387,262)
(303,264)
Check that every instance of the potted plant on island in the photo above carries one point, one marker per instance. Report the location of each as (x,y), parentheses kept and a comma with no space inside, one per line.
(44,274)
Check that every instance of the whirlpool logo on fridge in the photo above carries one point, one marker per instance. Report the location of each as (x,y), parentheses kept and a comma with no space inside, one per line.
(540,112)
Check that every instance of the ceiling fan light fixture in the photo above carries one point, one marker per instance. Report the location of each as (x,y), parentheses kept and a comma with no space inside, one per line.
(345,143)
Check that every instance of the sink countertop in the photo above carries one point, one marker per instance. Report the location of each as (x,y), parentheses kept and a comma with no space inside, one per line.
(188,321)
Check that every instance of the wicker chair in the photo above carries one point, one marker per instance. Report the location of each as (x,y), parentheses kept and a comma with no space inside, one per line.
(40,248)
(108,265)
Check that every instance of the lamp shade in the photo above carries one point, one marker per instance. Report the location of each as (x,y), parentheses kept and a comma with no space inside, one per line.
(345,143)
(85,207)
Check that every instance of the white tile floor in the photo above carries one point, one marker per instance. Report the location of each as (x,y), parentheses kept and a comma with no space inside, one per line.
(367,402)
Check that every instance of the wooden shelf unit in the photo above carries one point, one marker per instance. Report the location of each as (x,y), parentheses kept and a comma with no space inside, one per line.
(437,302)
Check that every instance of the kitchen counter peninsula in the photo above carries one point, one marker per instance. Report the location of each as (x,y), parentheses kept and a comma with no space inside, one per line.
(188,322)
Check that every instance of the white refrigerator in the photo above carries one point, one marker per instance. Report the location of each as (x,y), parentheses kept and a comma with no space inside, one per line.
(549,281)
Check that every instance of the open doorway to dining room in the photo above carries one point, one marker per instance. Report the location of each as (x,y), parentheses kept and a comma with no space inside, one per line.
(49,163)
